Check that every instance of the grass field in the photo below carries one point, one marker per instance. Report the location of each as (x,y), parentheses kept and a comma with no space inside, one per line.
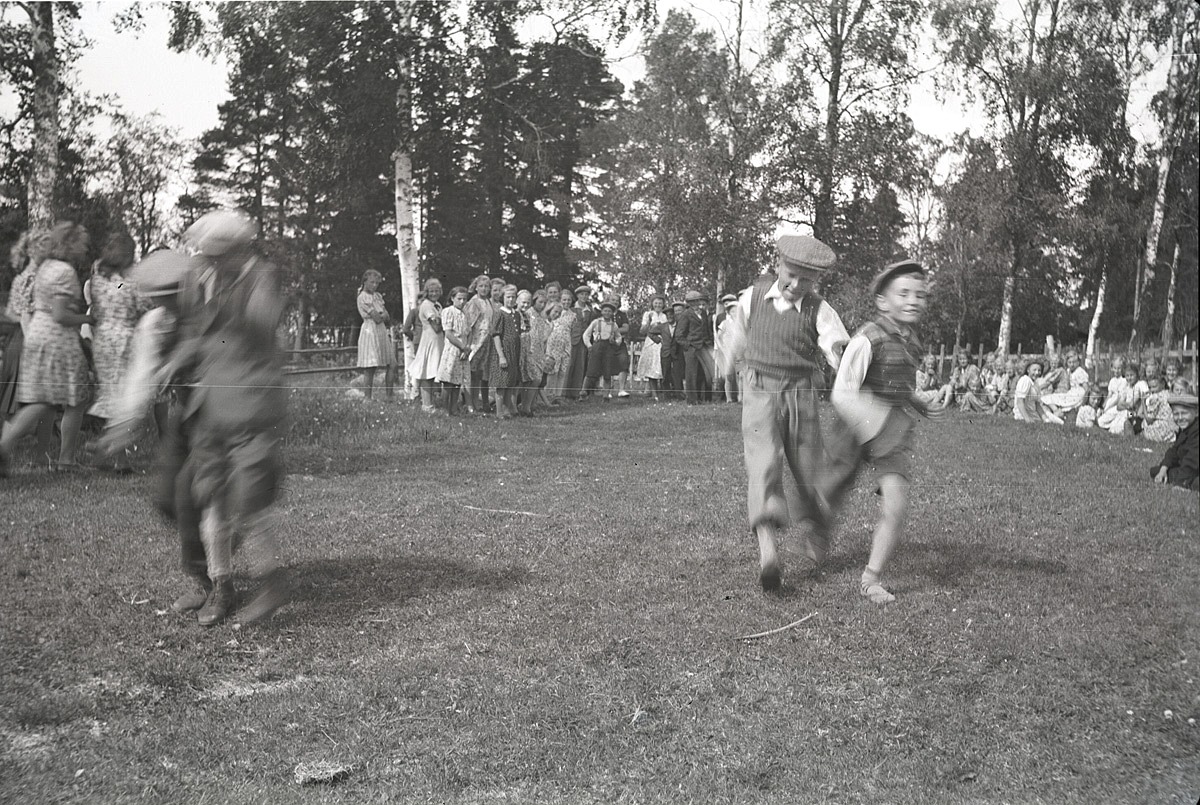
(1045,646)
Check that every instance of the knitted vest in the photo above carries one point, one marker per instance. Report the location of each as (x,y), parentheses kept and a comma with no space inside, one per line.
(782,344)
(892,375)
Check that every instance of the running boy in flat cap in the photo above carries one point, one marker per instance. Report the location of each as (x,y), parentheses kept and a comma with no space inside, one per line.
(874,396)
(780,329)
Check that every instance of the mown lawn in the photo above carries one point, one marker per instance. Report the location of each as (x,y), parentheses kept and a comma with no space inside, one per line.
(1044,648)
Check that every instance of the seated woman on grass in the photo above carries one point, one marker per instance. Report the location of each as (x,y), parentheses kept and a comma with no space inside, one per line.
(1000,391)
(1122,402)
(1175,381)
(1158,423)
(1064,402)
(973,400)
(961,374)
(1093,404)
(1054,379)
(1027,400)
(928,383)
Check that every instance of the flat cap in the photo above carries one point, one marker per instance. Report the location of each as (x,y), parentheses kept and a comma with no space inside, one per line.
(161,273)
(805,252)
(220,232)
(678,303)
(583,289)
(693,296)
(608,303)
(899,268)
(1184,400)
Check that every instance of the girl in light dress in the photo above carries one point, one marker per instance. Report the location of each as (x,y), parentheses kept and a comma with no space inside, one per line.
(428,359)
(1093,404)
(535,334)
(376,349)
(1124,396)
(506,353)
(1078,380)
(116,307)
(26,255)
(454,371)
(650,362)
(558,347)
(1158,423)
(1027,400)
(1000,392)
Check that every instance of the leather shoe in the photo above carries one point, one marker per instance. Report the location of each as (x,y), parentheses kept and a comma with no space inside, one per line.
(220,601)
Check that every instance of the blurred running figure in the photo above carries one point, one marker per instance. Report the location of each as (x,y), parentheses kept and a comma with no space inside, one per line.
(230,307)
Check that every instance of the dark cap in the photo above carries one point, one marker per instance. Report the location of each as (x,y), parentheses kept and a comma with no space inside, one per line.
(161,273)
(900,268)
(803,251)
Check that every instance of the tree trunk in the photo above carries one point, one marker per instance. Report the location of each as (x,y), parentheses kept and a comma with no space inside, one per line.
(1154,231)
(1094,327)
(1006,314)
(403,181)
(43,174)
(823,217)
(1168,325)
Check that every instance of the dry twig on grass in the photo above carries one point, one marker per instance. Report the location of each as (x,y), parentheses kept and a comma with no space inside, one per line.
(775,631)
(502,511)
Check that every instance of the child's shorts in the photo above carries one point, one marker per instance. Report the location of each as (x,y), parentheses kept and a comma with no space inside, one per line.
(601,360)
(889,452)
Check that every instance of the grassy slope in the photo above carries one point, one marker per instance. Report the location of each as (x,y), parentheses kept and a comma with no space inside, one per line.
(1047,618)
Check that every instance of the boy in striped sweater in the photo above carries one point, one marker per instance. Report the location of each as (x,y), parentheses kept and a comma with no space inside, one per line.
(875,397)
(780,330)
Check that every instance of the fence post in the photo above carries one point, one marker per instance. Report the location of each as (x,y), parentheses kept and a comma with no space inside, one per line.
(979,360)
(941,359)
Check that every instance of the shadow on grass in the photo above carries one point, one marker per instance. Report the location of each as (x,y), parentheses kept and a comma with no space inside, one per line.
(948,562)
(342,589)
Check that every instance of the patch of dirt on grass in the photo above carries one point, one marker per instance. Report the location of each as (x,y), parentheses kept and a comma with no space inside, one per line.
(234,689)
(27,744)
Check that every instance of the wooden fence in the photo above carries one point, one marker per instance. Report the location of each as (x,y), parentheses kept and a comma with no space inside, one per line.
(1187,357)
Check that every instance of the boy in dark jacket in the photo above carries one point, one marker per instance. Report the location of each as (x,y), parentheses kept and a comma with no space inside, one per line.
(1180,465)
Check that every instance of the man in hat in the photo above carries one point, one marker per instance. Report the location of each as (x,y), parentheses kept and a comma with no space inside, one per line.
(875,397)
(1180,465)
(230,309)
(694,334)
(672,354)
(782,331)
(584,313)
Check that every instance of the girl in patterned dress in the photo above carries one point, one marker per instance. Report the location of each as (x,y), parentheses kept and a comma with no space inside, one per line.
(536,333)
(375,347)
(558,346)
(1124,396)
(116,307)
(428,359)
(454,371)
(1158,424)
(54,371)
(506,353)
(650,361)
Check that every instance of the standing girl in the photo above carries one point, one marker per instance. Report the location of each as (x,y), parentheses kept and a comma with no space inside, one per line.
(116,307)
(375,346)
(454,372)
(558,347)
(506,353)
(533,347)
(650,362)
(426,362)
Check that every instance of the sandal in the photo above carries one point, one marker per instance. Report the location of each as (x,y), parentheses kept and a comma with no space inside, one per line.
(876,594)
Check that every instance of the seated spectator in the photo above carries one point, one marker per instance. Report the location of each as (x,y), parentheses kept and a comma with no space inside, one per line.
(1055,378)
(1158,424)
(1000,392)
(1173,375)
(973,400)
(1180,465)
(1123,400)
(987,372)
(1180,385)
(1116,371)
(1027,399)
(1063,402)
(1091,408)
(928,382)
(961,374)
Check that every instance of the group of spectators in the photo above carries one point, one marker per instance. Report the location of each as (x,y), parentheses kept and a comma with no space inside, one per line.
(1153,401)
(493,348)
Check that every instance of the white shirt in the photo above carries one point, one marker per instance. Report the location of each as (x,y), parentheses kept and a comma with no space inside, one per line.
(858,407)
(830,331)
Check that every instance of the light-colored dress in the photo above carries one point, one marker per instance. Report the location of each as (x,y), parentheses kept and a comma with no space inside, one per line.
(116,307)
(533,348)
(1159,424)
(428,359)
(650,362)
(1075,395)
(375,346)
(1027,403)
(454,368)
(54,369)
(1121,403)
(1086,418)
(558,345)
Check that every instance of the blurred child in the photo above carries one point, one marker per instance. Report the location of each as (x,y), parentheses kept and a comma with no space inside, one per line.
(874,396)
(1158,424)
(1092,405)
(454,370)
(973,400)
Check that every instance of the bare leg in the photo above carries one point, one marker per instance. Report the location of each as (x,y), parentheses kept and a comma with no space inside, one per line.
(887,536)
